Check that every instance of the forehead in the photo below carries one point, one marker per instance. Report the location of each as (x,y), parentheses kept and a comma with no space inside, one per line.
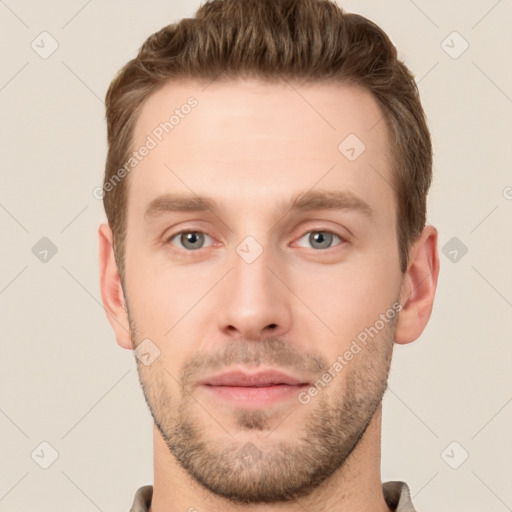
(247,142)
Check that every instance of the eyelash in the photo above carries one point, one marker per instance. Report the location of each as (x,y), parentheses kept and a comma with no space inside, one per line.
(342,240)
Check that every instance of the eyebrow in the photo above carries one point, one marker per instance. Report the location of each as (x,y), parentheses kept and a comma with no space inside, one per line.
(311,200)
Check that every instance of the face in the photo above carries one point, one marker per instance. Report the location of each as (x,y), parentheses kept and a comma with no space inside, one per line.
(262,264)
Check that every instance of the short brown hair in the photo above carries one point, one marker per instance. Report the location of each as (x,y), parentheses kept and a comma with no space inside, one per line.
(272,40)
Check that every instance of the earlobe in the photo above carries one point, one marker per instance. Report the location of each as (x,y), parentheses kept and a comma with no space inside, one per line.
(111,289)
(418,287)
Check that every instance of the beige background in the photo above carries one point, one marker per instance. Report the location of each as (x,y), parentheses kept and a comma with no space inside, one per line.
(65,381)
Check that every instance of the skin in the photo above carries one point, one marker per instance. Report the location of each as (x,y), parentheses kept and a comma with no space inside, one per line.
(250,146)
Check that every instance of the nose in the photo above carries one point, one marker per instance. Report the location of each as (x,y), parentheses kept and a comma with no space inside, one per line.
(254,302)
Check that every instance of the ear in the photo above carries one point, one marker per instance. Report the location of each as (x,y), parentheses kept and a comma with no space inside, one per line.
(111,289)
(418,287)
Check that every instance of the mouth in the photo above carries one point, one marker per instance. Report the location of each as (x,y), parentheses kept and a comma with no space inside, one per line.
(256,395)
(263,388)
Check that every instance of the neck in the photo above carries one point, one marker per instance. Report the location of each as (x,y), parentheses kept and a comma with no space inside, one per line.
(355,487)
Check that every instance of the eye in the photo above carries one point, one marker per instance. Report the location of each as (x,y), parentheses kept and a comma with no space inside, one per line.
(189,240)
(322,239)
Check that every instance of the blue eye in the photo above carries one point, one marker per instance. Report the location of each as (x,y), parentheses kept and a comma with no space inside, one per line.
(190,240)
(323,239)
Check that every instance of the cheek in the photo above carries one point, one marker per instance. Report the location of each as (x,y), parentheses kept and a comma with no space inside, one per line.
(159,294)
(168,306)
(348,297)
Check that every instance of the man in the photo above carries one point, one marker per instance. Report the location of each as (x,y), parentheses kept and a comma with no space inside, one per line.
(266,247)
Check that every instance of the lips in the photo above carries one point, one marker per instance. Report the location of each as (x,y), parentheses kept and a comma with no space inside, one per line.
(258,379)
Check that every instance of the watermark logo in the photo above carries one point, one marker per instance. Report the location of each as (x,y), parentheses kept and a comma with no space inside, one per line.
(249,249)
(44,250)
(454,45)
(454,249)
(44,455)
(454,455)
(44,45)
(351,147)
(147,352)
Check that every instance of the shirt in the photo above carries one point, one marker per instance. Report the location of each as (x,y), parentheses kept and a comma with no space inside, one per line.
(396,494)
